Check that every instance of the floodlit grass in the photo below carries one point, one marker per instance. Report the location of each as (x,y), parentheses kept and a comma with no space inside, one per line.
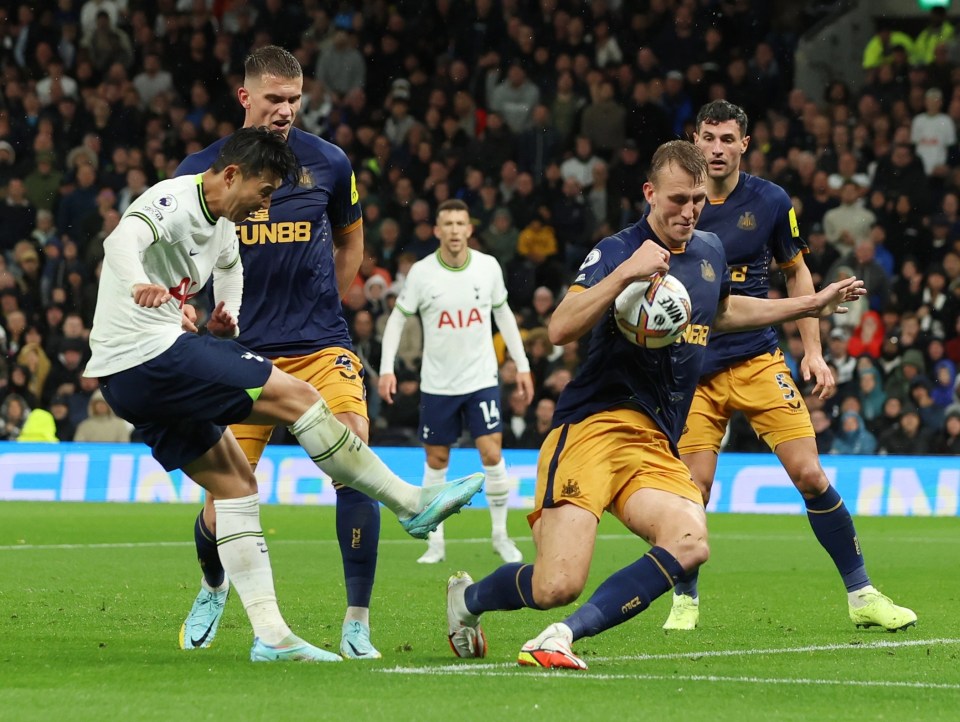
(92,597)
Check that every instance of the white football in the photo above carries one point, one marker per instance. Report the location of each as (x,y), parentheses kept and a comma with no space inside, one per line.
(653,313)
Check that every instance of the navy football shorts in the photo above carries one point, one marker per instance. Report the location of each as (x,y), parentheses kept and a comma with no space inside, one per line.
(442,417)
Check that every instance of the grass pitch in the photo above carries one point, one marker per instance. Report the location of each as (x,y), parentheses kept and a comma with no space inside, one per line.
(92,597)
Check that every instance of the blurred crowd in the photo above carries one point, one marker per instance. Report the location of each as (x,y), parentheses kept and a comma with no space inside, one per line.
(542,116)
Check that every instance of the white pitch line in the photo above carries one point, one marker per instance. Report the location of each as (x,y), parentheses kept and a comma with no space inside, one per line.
(479,540)
(471,670)
(693,656)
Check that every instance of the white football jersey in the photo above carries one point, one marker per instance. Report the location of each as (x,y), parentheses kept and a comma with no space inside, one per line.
(180,246)
(454,306)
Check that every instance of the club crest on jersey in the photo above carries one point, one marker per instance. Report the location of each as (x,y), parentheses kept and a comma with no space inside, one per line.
(306,179)
(166,203)
(570,488)
(707,272)
(747,222)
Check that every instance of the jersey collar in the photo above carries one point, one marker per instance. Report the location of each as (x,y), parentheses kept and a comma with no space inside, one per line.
(204,208)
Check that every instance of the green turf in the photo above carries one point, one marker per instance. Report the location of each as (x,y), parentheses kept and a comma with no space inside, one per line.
(90,633)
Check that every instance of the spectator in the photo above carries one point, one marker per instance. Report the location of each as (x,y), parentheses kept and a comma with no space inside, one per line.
(42,184)
(536,432)
(580,166)
(907,438)
(944,383)
(931,415)
(867,338)
(341,67)
(513,98)
(101,424)
(500,237)
(938,32)
(13,415)
(850,221)
(872,397)
(823,428)
(60,411)
(947,440)
(604,121)
(153,80)
(17,215)
(40,427)
(933,133)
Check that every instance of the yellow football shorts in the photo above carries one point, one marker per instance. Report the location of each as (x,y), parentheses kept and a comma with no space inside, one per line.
(598,463)
(335,372)
(763,389)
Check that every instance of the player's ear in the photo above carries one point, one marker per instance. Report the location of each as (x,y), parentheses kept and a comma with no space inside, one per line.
(243,95)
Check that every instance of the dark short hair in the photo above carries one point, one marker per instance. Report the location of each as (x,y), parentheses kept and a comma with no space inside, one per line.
(452,204)
(255,150)
(271,60)
(681,153)
(720,111)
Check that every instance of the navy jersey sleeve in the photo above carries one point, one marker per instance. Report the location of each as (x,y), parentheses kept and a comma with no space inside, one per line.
(601,262)
(344,207)
(785,241)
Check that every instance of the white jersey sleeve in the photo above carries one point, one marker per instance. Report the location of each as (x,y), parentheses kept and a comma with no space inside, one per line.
(187,242)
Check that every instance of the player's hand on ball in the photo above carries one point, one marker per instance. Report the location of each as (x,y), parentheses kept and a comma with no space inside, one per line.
(221,322)
(829,300)
(648,260)
(150,295)
(188,319)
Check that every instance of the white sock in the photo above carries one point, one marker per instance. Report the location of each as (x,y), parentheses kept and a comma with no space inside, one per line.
(854,597)
(344,457)
(435,477)
(244,556)
(497,488)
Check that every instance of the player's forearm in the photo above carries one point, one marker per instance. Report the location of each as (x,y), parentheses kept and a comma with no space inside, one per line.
(390,342)
(228,287)
(347,256)
(507,323)
(745,313)
(800,283)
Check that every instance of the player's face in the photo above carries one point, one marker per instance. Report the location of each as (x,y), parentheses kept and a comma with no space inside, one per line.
(676,200)
(271,101)
(453,229)
(248,194)
(722,146)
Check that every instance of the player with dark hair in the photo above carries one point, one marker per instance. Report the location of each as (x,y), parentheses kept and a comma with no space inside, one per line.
(179,389)
(746,371)
(456,291)
(616,425)
(299,257)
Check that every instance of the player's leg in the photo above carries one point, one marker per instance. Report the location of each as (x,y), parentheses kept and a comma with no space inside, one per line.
(660,504)
(482,413)
(768,395)
(223,470)
(699,446)
(833,526)
(358,534)
(200,627)
(565,540)
(435,473)
(339,453)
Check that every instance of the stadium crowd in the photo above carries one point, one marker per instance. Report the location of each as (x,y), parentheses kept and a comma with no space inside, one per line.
(540,115)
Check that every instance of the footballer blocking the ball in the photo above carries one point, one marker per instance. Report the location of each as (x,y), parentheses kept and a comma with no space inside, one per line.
(613,445)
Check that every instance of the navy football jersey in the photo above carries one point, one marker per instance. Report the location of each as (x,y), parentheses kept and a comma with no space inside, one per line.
(291,304)
(755,223)
(660,382)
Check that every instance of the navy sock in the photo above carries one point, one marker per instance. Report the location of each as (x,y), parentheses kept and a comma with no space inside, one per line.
(626,593)
(207,553)
(506,588)
(358,531)
(688,585)
(833,527)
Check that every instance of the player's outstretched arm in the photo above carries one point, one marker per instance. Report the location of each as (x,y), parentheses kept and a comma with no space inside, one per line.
(579,311)
(745,313)
(812,365)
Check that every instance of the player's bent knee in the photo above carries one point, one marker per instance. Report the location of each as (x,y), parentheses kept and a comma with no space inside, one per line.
(557,592)
(810,480)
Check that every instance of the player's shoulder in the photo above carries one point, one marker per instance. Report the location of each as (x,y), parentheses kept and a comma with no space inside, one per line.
(483,261)
(201,160)
(705,242)
(311,149)
(768,191)
(171,202)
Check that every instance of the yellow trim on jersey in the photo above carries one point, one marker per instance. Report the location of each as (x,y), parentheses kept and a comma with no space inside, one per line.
(337,232)
(716,201)
(142,217)
(794,226)
(792,262)
(203,200)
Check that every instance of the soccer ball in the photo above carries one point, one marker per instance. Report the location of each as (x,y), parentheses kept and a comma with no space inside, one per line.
(653,313)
